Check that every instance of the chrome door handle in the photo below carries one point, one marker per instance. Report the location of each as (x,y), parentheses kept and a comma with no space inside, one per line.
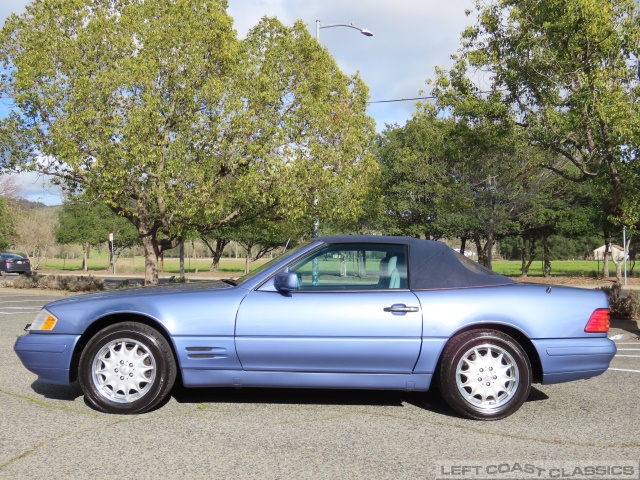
(401,308)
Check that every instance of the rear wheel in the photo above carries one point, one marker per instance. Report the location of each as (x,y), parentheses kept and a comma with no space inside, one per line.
(127,368)
(484,375)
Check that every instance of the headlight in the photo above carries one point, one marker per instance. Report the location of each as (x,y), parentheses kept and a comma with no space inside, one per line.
(44,321)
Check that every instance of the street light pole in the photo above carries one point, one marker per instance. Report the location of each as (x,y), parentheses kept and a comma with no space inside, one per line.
(319,26)
(315,274)
(363,31)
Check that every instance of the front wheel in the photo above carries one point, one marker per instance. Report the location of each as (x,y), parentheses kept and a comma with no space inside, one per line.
(484,375)
(127,368)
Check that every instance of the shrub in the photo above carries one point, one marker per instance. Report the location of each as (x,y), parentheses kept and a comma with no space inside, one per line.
(27,281)
(622,305)
(57,282)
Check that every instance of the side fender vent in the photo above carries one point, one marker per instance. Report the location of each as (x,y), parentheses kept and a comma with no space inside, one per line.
(206,352)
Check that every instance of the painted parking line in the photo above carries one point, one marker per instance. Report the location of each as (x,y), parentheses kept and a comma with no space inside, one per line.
(624,370)
(18,301)
(628,356)
(24,305)
(14,313)
(27,307)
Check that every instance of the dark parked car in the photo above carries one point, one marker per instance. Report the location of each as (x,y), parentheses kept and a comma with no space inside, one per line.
(366,312)
(14,263)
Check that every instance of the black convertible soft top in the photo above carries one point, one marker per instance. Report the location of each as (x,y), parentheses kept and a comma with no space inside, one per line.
(432,264)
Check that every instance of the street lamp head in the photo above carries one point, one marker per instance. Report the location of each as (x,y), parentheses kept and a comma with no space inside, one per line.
(364,31)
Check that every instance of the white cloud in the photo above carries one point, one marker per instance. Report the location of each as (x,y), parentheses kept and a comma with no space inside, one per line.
(37,188)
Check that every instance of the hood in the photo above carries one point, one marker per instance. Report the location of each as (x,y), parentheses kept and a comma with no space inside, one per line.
(143,291)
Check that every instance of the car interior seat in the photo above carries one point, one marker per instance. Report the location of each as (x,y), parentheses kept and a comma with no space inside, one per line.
(394,274)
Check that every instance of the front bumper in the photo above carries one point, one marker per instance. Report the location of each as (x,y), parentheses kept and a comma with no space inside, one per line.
(47,355)
(565,360)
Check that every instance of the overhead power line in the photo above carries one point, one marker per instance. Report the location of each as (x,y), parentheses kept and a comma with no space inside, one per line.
(402,100)
(432,97)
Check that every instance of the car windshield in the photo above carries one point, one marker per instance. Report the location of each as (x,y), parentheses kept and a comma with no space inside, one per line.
(269,264)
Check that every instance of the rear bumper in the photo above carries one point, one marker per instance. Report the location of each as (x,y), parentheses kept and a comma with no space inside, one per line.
(566,360)
(17,269)
(47,355)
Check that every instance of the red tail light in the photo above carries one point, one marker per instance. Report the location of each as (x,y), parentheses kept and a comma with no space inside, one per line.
(599,321)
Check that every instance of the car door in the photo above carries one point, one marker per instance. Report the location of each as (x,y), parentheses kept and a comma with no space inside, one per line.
(352,312)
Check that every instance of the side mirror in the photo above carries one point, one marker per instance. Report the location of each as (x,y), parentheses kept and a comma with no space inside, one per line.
(285,282)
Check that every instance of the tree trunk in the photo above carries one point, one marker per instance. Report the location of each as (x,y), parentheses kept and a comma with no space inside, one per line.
(247,260)
(482,259)
(216,251)
(619,263)
(605,258)
(489,254)
(545,254)
(182,259)
(151,254)
(528,252)
(195,257)
(463,245)
(85,257)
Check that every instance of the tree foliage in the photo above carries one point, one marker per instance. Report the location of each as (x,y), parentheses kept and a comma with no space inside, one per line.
(89,224)
(463,177)
(568,72)
(83,222)
(9,191)
(156,109)
(7,230)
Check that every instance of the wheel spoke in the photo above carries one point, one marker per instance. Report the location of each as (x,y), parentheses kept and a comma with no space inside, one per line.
(487,376)
(124,370)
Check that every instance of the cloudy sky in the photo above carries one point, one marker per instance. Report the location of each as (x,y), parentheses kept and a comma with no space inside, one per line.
(410,38)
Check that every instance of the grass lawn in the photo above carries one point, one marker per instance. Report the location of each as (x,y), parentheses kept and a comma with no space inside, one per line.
(235,266)
(135,265)
(564,268)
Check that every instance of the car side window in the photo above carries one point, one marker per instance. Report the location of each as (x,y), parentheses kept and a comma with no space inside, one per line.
(353,267)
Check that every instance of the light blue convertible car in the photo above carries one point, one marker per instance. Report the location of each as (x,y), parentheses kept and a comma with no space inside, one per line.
(368,312)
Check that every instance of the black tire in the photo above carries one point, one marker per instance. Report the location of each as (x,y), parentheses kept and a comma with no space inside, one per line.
(126,368)
(484,375)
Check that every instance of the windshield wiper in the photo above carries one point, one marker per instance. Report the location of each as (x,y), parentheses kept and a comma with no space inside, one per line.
(230,282)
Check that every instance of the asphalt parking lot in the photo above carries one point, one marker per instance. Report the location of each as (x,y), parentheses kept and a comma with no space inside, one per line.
(48,431)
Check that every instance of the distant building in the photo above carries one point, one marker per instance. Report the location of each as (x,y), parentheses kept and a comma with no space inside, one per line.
(617,252)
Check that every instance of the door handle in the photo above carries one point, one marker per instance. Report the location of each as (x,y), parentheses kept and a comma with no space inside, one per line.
(401,308)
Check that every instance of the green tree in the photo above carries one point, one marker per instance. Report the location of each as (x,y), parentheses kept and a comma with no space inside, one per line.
(9,194)
(455,177)
(7,230)
(567,70)
(414,176)
(157,110)
(89,224)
